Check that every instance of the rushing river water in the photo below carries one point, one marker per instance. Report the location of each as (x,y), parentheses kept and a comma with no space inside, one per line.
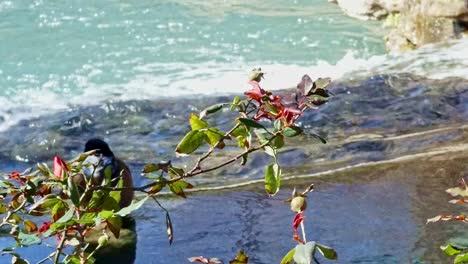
(132,72)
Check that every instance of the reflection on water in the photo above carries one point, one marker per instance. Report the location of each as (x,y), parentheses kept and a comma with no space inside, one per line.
(376,215)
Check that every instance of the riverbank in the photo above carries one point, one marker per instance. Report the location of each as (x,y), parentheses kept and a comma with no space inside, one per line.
(412,23)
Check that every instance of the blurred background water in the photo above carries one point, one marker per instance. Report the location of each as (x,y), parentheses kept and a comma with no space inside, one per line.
(54,54)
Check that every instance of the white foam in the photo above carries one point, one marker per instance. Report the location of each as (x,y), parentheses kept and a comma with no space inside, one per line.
(158,80)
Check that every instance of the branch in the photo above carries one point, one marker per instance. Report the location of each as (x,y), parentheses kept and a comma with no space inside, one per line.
(210,151)
(10,213)
(190,173)
(60,247)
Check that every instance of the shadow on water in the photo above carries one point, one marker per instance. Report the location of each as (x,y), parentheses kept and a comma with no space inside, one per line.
(123,249)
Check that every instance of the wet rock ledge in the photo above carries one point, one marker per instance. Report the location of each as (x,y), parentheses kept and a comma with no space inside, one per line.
(412,23)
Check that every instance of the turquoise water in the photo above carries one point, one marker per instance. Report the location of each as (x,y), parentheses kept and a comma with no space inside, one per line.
(60,53)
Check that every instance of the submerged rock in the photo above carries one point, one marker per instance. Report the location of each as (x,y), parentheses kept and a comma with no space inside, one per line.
(374,119)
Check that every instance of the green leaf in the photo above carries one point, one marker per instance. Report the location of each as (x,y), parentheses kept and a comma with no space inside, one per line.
(327,252)
(178,188)
(76,259)
(450,250)
(58,209)
(250,123)
(73,190)
(15,219)
(457,191)
(114,224)
(44,169)
(322,83)
(241,130)
(278,142)
(29,226)
(214,135)
(82,157)
(29,239)
(210,110)
(318,137)
(272,178)
(158,187)
(175,172)
(288,258)
(67,216)
(132,207)
(270,151)
(235,102)
(277,124)
(462,258)
(317,99)
(304,253)
(44,203)
(107,176)
(151,168)
(5,184)
(191,142)
(18,260)
(244,159)
(169,229)
(243,142)
(241,258)
(110,204)
(106,214)
(3,208)
(292,131)
(117,194)
(263,137)
(89,218)
(196,123)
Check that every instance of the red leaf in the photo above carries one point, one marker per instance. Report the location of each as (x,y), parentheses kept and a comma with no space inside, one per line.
(258,116)
(290,114)
(44,227)
(448,218)
(59,166)
(459,201)
(297,220)
(256,92)
(15,175)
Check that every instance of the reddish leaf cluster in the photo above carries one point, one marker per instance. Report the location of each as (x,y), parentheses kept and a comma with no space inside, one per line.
(273,107)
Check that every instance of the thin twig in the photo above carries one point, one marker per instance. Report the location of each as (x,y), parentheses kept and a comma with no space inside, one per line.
(46,258)
(59,248)
(188,174)
(10,213)
(208,153)
(303,232)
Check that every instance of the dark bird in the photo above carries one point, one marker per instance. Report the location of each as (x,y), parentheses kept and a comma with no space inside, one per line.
(105,161)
